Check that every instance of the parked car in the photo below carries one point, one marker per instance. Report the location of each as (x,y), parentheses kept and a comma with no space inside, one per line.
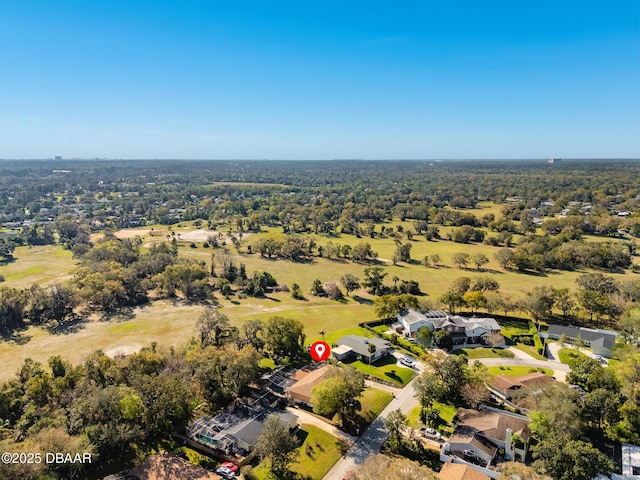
(408,361)
(431,433)
(230,465)
(225,472)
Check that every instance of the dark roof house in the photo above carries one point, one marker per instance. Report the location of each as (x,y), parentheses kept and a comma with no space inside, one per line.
(600,341)
(361,345)
(505,386)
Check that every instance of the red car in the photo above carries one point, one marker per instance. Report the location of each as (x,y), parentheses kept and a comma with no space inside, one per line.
(230,466)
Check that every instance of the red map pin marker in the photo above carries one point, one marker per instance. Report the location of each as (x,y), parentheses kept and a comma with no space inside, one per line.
(320,351)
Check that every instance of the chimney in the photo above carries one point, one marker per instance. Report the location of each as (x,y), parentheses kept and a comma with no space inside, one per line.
(508,446)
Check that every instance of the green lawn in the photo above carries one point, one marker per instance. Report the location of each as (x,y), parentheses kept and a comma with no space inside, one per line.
(413,418)
(43,265)
(510,327)
(447,412)
(318,452)
(483,352)
(267,363)
(566,355)
(516,371)
(373,402)
(530,350)
(386,369)
(170,323)
(332,336)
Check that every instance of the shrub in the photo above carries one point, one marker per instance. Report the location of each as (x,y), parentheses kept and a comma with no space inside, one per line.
(538,343)
(526,339)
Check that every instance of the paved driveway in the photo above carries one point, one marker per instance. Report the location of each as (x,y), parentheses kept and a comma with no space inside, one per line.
(309,419)
(373,437)
(523,359)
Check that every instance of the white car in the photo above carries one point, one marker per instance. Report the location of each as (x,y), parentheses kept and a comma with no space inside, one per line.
(408,361)
(431,433)
(225,472)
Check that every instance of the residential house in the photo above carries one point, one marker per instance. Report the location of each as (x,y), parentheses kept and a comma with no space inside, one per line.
(278,380)
(232,434)
(463,330)
(460,471)
(482,433)
(164,466)
(630,463)
(362,347)
(306,380)
(600,341)
(505,386)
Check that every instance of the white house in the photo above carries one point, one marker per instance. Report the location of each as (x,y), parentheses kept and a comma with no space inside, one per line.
(463,330)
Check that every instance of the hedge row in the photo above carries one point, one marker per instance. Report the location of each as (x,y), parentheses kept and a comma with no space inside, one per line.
(538,343)
(526,339)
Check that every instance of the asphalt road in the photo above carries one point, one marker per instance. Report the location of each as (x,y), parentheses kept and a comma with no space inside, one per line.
(373,437)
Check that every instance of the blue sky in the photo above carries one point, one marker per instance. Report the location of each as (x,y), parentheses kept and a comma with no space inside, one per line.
(319,80)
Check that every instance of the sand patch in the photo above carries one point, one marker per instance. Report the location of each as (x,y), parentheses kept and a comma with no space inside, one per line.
(133,232)
(203,235)
(122,350)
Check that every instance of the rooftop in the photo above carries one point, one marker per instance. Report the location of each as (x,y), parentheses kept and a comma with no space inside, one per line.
(360,344)
(586,334)
(308,381)
(492,424)
(164,466)
(505,382)
(459,471)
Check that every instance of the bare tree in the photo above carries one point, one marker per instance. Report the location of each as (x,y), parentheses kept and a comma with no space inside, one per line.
(493,339)
(474,393)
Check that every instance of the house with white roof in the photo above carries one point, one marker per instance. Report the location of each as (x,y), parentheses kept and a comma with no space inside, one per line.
(463,330)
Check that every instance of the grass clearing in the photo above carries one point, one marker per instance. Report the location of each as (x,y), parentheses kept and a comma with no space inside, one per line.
(44,265)
(164,322)
(516,371)
(318,452)
(170,323)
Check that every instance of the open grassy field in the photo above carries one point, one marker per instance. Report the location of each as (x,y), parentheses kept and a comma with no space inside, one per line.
(168,323)
(172,324)
(43,265)
(318,452)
